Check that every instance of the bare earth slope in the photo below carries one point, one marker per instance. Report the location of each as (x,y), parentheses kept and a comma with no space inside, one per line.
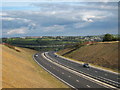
(101,54)
(20,71)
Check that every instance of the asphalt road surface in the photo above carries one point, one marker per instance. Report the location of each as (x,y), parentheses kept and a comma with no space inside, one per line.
(107,77)
(68,76)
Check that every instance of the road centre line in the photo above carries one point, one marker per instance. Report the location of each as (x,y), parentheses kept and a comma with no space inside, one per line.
(68,59)
(77,80)
(69,76)
(87,85)
(53,74)
(97,78)
(79,74)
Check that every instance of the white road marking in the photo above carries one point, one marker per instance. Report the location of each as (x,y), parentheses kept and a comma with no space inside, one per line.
(87,69)
(68,59)
(69,76)
(62,73)
(82,75)
(53,74)
(50,66)
(87,85)
(77,80)
(96,71)
(109,80)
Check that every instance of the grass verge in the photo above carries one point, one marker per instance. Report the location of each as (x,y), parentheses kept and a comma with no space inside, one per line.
(19,70)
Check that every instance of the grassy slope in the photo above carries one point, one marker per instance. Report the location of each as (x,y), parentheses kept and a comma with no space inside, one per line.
(101,54)
(20,71)
(0,67)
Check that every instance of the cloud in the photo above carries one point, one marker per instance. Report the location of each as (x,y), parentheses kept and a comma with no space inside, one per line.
(12,19)
(54,28)
(76,5)
(16,22)
(60,18)
(62,1)
(81,25)
(3,14)
(17,31)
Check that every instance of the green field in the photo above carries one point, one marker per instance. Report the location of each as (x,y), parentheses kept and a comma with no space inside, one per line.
(32,43)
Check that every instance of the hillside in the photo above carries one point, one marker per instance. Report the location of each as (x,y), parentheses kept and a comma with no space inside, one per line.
(20,71)
(101,54)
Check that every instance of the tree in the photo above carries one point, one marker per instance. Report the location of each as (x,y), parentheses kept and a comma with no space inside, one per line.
(108,37)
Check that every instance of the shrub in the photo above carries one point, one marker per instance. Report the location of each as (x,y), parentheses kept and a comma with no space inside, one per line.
(109,37)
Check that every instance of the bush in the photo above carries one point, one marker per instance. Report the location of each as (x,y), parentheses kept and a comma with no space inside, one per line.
(109,37)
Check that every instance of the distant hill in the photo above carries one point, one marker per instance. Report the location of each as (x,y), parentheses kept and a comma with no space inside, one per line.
(19,70)
(101,54)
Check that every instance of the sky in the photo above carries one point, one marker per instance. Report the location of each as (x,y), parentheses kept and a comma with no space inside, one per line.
(53,18)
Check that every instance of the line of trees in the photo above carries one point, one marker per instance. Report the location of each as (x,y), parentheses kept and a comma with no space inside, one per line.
(110,37)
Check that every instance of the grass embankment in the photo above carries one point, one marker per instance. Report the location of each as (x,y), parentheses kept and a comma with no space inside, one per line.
(101,54)
(19,70)
(0,67)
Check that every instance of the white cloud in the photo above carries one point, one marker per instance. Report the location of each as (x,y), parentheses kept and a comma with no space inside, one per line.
(7,18)
(88,18)
(81,25)
(95,15)
(54,28)
(59,19)
(17,31)
(3,14)
(12,19)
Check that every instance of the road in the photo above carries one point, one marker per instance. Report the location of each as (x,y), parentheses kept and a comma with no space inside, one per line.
(68,76)
(107,77)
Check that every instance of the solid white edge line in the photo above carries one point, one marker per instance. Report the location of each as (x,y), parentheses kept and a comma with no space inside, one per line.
(79,74)
(82,63)
(109,80)
(53,74)
(98,77)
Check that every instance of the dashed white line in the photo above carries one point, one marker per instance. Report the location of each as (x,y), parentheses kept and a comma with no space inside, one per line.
(87,85)
(91,79)
(69,76)
(68,59)
(54,74)
(77,80)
